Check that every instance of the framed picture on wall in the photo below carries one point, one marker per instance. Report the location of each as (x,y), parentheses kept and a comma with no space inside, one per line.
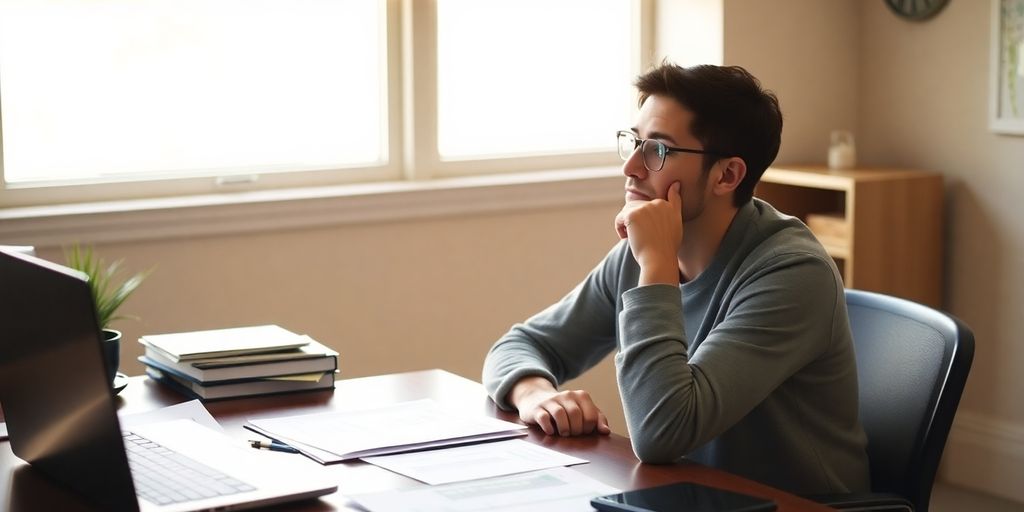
(1006,101)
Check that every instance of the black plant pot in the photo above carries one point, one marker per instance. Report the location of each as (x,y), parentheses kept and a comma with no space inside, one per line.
(111,352)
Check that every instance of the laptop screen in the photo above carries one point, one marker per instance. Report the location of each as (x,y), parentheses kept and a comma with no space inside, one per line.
(59,408)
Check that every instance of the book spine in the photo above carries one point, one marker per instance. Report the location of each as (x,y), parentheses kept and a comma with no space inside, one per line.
(176,372)
(160,377)
(207,393)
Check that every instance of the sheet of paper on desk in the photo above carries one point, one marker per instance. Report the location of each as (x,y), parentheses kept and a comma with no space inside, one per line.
(326,457)
(554,490)
(191,410)
(473,462)
(397,428)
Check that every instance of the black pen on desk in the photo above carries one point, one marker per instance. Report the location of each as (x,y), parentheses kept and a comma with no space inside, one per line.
(276,446)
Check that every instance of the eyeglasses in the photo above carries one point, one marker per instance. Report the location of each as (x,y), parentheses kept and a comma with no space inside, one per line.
(654,152)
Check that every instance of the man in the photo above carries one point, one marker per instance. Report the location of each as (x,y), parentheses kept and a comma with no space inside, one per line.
(733,346)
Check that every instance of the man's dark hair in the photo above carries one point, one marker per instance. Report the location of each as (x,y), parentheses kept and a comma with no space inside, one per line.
(732,114)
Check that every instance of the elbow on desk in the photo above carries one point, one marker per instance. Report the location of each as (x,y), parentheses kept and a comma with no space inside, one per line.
(663,435)
(663,442)
(653,451)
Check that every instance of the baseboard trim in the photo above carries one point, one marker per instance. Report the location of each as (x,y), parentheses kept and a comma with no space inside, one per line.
(986,454)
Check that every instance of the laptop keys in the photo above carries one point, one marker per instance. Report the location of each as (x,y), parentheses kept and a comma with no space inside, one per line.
(163,476)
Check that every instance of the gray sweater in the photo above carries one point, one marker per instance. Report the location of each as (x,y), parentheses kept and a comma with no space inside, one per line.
(748,368)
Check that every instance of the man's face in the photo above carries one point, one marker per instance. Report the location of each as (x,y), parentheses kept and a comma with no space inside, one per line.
(663,119)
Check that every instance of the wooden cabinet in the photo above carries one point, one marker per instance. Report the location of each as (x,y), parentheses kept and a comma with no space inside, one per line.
(882,226)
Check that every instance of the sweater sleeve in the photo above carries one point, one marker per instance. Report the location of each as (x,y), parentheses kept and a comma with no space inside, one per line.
(562,341)
(776,321)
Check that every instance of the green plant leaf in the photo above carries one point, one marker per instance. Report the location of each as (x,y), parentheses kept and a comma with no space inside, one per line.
(107,296)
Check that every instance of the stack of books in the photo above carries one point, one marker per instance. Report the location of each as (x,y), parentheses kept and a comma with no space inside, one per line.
(238,362)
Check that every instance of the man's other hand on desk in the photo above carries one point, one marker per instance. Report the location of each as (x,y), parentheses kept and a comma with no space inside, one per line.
(563,413)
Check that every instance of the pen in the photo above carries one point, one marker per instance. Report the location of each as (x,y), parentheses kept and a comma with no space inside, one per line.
(276,446)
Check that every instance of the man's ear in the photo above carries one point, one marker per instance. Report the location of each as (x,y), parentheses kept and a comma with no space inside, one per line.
(733,170)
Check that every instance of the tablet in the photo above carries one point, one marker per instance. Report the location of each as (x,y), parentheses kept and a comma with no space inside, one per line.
(682,496)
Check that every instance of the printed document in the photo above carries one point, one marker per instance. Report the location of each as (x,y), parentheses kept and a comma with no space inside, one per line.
(551,490)
(344,435)
(474,461)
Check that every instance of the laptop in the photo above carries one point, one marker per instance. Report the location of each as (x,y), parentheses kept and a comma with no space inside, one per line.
(61,414)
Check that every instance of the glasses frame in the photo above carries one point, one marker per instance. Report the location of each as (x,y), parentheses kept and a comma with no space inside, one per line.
(639,144)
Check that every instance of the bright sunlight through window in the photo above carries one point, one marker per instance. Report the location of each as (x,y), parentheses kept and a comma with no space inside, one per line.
(105,90)
(533,76)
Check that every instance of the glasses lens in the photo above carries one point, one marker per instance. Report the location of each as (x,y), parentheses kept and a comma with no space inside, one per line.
(627,145)
(654,155)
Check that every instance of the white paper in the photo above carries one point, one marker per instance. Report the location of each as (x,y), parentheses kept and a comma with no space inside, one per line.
(191,410)
(3,431)
(473,462)
(554,490)
(326,457)
(390,429)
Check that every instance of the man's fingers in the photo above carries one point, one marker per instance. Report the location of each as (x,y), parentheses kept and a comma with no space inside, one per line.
(622,218)
(620,226)
(674,198)
(591,414)
(559,418)
(544,421)
(602,424)
(576,418)
(566,413)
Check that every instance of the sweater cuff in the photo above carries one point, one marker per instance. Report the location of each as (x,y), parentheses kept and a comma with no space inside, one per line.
(500,395)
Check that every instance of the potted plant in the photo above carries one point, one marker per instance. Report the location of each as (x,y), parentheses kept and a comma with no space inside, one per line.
(108,294)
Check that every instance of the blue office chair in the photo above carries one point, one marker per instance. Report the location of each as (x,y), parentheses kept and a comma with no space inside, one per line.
(912,363)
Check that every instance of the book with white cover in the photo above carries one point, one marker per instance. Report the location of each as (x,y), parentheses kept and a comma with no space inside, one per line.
(186,346)
(311,358)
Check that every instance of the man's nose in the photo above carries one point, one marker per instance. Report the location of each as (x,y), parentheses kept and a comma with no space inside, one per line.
(634,166)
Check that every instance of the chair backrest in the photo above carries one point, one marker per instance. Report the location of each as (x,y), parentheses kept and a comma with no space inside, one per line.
(912,363)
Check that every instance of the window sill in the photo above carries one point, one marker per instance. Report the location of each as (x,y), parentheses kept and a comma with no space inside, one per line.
(241,212)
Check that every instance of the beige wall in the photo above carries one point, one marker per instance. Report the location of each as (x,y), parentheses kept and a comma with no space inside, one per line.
(807,52)
(388,296)
(436,292)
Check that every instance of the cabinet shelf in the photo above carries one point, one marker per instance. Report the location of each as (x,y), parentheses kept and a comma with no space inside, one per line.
(882,226)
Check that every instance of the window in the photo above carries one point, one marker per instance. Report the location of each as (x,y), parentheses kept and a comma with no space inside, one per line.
(555,74)
(103,99)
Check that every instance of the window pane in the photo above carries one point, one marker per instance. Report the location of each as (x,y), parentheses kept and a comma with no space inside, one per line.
(154,88)
(533,76)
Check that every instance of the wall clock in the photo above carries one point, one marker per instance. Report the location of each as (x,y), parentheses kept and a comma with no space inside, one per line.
(916,10)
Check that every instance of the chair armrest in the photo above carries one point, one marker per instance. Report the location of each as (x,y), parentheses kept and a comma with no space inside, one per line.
(867,501)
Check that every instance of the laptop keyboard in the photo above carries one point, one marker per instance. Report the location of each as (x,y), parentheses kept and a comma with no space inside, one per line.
(163,476)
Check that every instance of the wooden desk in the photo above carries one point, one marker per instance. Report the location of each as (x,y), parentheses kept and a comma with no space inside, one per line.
(611,457)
